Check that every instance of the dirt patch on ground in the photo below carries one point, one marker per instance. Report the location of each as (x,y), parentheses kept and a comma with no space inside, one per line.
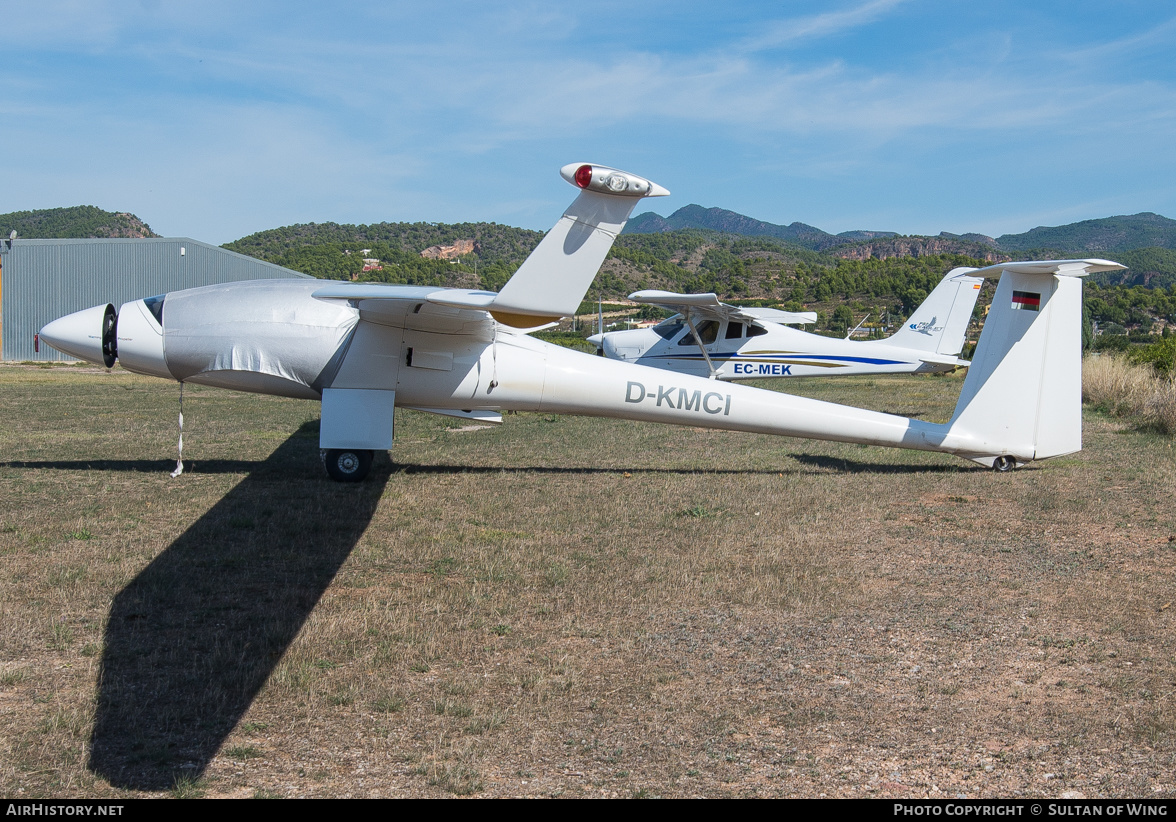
(567,607)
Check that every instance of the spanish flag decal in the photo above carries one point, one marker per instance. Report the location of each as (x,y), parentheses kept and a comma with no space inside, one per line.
(1027,300)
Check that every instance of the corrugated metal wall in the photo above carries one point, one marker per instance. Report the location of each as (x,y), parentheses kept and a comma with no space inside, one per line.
(42,280)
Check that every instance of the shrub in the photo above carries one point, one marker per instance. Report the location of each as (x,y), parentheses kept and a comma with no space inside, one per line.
(1121,388)
(1110,342)
(1113,385)
(1160,355)
(1161,407)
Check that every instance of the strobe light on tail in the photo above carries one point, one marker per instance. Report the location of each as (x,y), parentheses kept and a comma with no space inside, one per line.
(365,349)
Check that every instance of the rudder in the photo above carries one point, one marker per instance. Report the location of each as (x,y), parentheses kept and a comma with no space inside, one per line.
(940,323)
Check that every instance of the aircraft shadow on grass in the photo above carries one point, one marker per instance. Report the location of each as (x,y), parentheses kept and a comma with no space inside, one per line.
(846,466)
(195,636)
(809,461)
(139,466)
(240,466)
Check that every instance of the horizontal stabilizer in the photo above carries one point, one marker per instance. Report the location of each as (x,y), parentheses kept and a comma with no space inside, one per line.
(1062,268)
(936,359)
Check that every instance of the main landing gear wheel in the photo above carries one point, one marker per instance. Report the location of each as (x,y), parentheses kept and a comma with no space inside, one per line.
(1002,465)
(347,464)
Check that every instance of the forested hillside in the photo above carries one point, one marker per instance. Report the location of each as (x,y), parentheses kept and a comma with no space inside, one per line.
(1110,235)
(884,277)
(334,251)
(76,222)
(728,222)
(841,277)
(752,269)
(736,266)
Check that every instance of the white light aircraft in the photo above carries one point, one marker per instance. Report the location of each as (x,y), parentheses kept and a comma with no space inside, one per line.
(364,349)
(709,338)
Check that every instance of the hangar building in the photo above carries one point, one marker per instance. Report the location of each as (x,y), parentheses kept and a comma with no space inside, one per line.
(41,280)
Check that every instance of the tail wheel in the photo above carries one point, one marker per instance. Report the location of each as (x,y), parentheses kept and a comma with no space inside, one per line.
(1002,465)
(348,464)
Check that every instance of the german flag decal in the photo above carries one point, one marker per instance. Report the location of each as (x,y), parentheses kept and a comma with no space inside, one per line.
(1027,300)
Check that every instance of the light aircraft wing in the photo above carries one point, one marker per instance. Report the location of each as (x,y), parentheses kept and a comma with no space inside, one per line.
(708,306)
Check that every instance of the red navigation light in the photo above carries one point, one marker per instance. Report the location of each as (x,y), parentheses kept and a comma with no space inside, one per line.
(583,176)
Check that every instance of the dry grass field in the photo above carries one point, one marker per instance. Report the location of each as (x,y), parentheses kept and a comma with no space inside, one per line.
(571,607)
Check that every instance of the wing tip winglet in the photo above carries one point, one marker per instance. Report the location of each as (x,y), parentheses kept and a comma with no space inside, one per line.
(609,180)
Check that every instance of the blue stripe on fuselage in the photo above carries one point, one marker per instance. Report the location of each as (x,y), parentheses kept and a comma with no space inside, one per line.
(777,357)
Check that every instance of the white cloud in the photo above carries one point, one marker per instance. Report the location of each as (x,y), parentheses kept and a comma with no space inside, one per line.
(259,118)
(785,32)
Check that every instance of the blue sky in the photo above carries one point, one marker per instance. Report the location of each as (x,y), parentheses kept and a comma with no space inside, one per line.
(218,119)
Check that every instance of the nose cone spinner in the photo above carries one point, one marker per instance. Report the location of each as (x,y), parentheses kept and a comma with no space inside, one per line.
(88,335)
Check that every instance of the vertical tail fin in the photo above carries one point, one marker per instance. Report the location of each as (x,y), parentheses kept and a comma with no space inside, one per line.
(1023,394)
(940,322)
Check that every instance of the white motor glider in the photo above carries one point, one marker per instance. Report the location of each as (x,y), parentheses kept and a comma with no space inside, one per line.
(709,338)
(364,349)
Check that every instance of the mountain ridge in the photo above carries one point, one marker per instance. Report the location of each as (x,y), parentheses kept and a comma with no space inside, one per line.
(684,250)
(1106,235)
(872,272)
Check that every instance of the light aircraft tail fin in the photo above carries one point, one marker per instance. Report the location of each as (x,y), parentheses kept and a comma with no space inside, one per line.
(940,323)
(1022,399)
(552,281)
